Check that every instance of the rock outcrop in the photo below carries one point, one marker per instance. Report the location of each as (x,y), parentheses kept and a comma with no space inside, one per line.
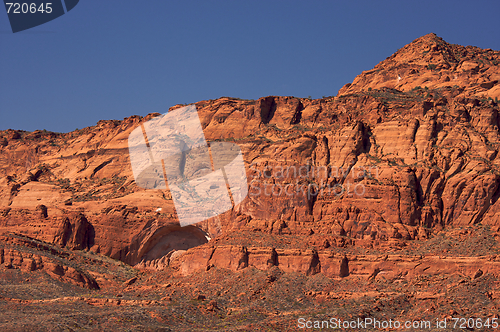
(430,62)
(13,258)
(408,149)
(330,264)
(384,198)
(75,232)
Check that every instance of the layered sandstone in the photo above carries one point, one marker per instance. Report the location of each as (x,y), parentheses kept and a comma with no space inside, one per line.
(431,62)
(386,161)
(380,202)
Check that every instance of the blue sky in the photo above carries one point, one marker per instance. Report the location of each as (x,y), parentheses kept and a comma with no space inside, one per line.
(115,58)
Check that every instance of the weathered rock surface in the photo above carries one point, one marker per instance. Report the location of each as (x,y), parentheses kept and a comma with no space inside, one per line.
(331,264)
(12,257)
(384,198)
(431,62)
(76,234)
(408,149)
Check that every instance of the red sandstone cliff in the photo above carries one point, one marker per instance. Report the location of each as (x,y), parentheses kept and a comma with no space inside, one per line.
(379,202)
(410,147)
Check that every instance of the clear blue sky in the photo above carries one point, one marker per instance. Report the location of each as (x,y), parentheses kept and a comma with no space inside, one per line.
(109,59)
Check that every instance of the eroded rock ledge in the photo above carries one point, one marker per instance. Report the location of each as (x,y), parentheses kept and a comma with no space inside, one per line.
(330,264)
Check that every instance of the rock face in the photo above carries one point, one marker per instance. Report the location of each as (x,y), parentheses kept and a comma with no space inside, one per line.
(384,197)
(12,258)
(431,62)
(77,234)
(310,262)
(407,150)
(155,244)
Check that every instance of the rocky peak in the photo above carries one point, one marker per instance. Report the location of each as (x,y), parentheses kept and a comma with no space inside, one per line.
(431,62)
(424,50)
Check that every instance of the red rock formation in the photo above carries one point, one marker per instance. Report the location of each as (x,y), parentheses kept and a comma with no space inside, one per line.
(76,234)
(431,62)
(28,262)
(388,160)
(330,264)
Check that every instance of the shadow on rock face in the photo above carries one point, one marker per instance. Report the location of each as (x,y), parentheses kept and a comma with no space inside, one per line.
(75,232)
(175,239)
(155,241)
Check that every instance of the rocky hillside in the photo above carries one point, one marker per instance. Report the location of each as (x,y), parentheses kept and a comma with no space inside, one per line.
(400,169)
(431,62)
